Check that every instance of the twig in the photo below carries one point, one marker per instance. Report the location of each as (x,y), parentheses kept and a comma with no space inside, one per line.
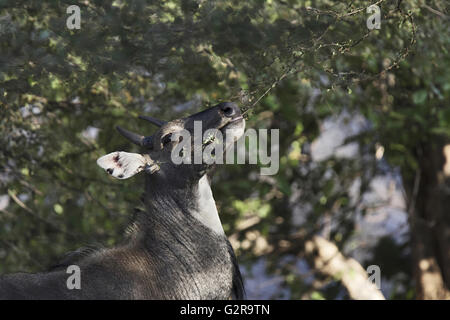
(32,213)
(440,14)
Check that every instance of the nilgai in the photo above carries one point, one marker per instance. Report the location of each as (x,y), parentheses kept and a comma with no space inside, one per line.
(176,248)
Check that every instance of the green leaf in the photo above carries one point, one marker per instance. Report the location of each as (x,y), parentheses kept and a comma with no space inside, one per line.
(419,97)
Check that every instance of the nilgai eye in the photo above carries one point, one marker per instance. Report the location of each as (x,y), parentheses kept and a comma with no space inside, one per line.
(166,139)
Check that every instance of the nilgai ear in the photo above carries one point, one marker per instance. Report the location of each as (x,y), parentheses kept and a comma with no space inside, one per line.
(123,165)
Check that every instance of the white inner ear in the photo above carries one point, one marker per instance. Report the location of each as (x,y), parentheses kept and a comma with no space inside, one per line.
(122,165)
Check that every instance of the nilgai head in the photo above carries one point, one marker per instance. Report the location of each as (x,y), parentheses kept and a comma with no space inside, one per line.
(182,150)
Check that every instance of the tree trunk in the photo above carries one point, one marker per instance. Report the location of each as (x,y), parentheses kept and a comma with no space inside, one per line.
(429,203)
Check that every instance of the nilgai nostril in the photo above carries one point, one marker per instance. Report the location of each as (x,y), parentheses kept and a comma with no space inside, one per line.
(229,109)
(175,249)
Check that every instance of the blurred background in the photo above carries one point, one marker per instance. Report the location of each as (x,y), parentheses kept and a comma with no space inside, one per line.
(363,114)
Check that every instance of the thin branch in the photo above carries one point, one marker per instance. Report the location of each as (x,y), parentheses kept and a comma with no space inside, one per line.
(33,214)
(440,14)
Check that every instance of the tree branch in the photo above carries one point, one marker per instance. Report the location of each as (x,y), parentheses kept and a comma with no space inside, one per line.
(328,260)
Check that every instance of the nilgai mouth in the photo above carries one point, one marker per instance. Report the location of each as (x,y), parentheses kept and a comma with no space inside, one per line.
(232,125)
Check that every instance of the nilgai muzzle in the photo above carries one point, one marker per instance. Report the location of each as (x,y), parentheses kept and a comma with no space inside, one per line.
(176,248)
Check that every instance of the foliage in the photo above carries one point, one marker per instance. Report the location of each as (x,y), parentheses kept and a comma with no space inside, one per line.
(172,58)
